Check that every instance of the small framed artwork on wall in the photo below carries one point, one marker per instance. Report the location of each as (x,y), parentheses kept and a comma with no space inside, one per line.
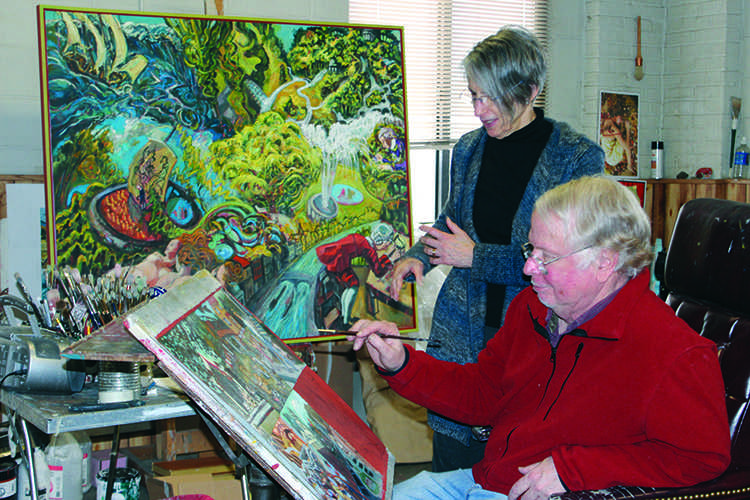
(618,132)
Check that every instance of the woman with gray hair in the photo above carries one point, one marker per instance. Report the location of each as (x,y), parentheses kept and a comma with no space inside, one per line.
(497,173)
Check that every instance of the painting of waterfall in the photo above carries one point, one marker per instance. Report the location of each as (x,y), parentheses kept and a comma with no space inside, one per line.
(270,153)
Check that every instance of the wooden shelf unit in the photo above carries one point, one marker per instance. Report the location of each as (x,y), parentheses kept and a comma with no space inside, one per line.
(664,197)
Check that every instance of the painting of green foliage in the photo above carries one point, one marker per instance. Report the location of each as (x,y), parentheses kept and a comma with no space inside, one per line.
(270,153)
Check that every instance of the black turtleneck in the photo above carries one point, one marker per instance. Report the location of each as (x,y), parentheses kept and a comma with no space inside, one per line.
(506,168)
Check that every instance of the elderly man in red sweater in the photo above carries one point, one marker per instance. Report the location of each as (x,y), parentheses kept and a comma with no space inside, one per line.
(591,382)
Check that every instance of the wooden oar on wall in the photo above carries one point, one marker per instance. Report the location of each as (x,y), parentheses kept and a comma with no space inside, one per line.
(217,4)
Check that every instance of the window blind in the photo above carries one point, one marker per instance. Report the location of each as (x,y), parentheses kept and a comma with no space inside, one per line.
(437,36)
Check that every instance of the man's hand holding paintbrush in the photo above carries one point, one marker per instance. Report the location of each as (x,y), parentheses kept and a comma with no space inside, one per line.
(382,341)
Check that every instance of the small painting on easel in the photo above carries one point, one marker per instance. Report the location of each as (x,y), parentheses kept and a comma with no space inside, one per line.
(264,397)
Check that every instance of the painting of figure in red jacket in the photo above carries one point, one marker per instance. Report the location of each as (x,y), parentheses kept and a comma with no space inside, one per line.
(347,262)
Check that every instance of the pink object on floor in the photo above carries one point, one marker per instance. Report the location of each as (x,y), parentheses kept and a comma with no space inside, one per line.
(190,497)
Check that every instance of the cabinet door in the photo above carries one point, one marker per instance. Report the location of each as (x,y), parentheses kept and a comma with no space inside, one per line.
(668,195)
(738,191)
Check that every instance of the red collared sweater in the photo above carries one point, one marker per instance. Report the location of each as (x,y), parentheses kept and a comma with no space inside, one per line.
(632,397)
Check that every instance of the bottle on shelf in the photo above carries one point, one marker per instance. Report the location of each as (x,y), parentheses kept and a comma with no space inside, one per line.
(657,159)
(741,157)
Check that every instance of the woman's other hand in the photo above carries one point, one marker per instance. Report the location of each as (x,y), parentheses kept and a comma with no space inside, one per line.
(455,248)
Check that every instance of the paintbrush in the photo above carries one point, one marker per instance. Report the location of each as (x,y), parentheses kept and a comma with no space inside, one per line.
(736,105)
(43,318)
(343,334)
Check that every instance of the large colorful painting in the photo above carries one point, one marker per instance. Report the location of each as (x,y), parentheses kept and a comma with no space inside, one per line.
(274,406)
(271,153)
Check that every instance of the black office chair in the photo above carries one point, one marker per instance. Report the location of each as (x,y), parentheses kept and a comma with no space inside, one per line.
(707,275)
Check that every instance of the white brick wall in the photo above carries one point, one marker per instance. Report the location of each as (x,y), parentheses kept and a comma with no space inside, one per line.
(610,64)
(702,68)
(694,60)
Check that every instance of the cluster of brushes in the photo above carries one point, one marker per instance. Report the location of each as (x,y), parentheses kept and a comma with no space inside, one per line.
(77,305)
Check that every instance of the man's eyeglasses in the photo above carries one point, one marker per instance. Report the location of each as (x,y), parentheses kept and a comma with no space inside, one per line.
(528,253)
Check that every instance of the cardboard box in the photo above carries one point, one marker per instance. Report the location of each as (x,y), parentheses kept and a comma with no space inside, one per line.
(219,486)
(208,465)
(183,436)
